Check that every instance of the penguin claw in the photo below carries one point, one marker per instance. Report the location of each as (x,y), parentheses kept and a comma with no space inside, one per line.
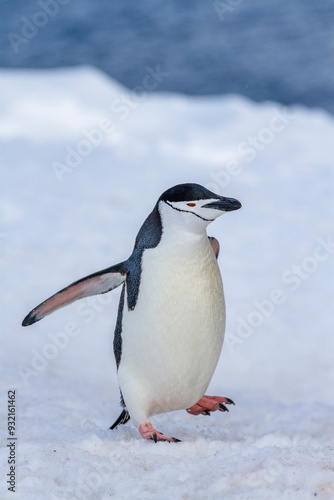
(148,432)
(160,437)
(154,437)
(229,401)
(208,404)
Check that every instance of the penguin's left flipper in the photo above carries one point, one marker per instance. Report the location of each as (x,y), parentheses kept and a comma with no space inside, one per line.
(94,284)
(215,245)
(209,403)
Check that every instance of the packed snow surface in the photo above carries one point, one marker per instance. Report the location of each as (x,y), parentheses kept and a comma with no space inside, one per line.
(83,161)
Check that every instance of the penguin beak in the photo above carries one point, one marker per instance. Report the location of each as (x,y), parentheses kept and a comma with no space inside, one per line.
(224,204)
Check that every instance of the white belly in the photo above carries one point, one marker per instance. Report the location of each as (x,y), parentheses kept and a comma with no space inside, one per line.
(171,341)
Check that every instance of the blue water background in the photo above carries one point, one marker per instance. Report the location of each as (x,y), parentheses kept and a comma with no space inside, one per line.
(280,50)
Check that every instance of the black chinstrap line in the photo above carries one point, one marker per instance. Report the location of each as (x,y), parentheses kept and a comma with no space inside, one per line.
(189,212)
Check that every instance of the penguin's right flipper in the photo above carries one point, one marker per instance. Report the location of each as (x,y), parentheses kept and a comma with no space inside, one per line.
(94,284)
(122,419)
(215,245)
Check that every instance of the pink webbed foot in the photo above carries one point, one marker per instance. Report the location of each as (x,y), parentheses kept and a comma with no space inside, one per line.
(209,403)
(149,432)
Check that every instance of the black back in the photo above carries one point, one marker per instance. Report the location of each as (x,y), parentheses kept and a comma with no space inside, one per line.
(149,236)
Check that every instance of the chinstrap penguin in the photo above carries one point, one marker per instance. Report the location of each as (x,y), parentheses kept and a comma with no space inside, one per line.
(171,316)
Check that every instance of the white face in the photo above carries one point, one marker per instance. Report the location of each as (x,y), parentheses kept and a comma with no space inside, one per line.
(189,215)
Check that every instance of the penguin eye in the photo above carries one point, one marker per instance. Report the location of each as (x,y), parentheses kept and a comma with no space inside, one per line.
(191,204)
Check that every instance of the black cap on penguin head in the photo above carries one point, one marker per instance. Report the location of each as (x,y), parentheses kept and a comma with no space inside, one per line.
(188,192)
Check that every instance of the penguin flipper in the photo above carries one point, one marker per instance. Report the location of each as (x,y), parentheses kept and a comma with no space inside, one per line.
(122,419)
(94,284)
(215,245)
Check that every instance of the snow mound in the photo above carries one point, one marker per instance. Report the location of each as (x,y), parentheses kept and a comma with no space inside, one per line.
(83,161)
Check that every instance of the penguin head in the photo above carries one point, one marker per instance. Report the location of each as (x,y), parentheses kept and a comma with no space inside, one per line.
(193,206)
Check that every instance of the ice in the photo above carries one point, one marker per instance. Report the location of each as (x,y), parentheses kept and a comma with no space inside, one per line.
(276,260)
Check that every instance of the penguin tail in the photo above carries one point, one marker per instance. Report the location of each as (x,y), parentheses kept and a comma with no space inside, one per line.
(122,419)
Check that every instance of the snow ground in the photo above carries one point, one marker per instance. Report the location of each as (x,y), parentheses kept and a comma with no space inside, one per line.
(276,261)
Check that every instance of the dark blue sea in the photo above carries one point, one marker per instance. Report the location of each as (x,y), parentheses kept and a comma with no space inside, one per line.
(280,50)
